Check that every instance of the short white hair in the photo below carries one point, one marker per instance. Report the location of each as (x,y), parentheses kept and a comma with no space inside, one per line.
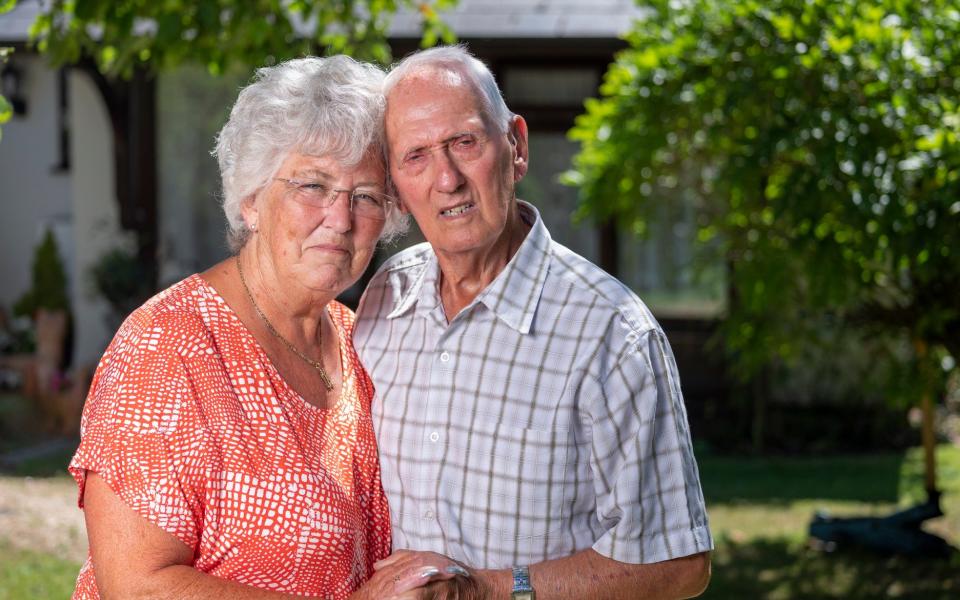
(458,59)
(321,106)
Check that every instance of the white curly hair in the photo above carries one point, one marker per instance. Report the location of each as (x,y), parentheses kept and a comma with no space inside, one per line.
(320,106)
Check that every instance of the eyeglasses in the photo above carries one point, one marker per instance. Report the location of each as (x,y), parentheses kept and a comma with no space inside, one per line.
(366,203)
(461,148)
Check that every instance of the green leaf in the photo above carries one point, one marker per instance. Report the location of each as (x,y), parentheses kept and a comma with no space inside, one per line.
(818,148)
(108,56)
(784,25)
(6,110)
(219,33)
(840,45)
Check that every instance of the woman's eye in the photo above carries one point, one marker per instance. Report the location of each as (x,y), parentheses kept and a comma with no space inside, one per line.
(366,198)
(314,190)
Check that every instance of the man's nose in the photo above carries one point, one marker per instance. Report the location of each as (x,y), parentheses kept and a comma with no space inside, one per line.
(448,176)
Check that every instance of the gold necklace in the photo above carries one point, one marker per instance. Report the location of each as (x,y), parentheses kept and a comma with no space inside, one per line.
(316,364)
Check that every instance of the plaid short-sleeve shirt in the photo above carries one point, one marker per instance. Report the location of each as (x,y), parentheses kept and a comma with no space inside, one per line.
(544,419)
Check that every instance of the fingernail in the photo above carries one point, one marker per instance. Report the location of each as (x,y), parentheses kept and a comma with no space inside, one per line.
(457,570)
(429,572)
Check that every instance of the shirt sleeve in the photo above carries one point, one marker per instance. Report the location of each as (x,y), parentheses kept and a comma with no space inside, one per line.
(649,499)
(140,430)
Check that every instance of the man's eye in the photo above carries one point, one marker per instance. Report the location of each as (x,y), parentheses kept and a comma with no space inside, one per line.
(414,157)
(465,142)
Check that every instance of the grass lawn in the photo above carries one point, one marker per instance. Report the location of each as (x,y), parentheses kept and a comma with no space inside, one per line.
(25,574)
(760,509)
(759,513)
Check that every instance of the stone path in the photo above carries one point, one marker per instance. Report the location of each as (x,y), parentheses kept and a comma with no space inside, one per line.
(41,514)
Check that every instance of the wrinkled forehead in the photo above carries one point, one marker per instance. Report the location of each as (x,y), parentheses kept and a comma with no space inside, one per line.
(430,101)
(435,75)
(305,164)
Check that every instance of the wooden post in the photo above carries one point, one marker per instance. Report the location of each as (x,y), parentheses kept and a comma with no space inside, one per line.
(926,424)
(929,443)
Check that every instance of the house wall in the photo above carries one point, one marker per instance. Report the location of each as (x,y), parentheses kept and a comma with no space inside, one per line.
(32,196)
(76,203)
(95,213)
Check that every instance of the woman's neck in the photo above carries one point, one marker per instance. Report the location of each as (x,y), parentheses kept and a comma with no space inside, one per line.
(296,312)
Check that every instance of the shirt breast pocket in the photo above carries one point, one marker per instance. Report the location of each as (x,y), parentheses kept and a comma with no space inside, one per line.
(514,484)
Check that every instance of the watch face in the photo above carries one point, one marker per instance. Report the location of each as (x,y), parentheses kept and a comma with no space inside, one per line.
(523,596)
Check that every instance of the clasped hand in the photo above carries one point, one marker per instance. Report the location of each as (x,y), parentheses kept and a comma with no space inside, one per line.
(411,575)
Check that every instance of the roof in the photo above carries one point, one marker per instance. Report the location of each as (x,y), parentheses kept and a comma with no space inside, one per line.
(15,25)
(516,19)
(529,19)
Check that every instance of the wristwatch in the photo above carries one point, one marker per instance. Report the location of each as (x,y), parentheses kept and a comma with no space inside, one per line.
(522,590)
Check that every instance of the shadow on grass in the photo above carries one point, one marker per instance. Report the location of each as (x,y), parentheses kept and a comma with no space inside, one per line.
(776,569)
(868,478)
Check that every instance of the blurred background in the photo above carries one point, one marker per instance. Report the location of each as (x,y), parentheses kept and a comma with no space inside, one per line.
(779,181)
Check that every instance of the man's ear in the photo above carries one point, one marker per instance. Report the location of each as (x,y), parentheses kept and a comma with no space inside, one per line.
(517,135)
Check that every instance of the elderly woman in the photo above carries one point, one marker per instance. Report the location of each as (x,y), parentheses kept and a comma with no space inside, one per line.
(227,449)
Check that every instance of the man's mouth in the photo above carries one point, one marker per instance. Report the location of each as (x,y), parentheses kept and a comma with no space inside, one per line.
(456,210)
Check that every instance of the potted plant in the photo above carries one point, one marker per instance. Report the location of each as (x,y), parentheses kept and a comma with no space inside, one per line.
(122,280)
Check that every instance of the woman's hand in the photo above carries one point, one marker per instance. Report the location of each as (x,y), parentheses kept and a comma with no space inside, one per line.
(407,570)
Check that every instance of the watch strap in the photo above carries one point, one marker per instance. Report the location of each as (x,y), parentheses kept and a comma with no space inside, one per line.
(521,583)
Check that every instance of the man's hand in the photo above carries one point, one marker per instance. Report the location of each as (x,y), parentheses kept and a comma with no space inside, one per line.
(459,588)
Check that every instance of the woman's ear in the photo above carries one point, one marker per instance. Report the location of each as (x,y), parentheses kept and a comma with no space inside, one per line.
(249,212)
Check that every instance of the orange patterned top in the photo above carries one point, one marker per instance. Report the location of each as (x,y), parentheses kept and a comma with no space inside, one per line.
(191,425)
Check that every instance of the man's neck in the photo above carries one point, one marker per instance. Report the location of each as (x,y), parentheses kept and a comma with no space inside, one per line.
(464,275)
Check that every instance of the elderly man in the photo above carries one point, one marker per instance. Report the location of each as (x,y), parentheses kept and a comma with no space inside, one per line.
(528,409)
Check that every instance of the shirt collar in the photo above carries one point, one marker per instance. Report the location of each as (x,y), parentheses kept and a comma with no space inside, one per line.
(425,278)
(513,295)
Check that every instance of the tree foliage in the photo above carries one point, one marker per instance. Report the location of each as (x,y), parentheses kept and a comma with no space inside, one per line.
(820,143)
(122,35)
(6,110)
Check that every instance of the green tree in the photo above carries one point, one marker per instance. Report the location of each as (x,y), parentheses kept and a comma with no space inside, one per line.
(820,142)
(129,34)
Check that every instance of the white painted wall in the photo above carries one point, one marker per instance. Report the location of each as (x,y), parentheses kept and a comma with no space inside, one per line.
(95,212)
(77,204)
(31,196)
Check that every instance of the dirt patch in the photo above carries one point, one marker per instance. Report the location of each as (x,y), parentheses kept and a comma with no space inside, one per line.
(42,515)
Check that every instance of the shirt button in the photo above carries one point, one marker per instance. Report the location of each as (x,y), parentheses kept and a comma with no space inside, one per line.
(444,357)
(434,436)
(428,514)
